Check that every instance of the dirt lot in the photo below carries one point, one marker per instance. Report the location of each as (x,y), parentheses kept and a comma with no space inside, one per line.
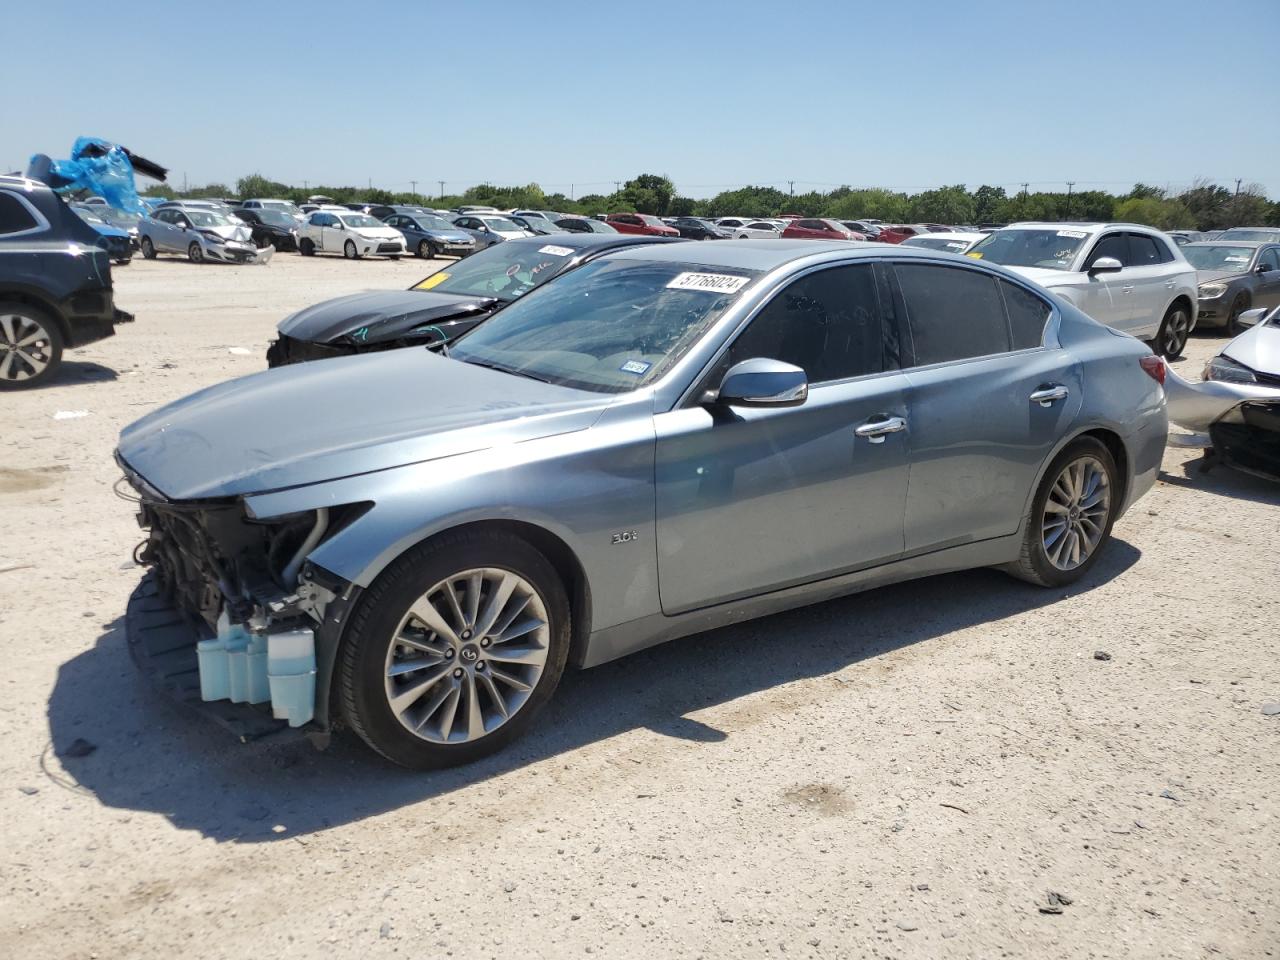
(907,773)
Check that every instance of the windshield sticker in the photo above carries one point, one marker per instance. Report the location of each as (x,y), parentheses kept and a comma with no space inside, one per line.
(556,251)
(432,281)
(709,282)
(638,367)
(1073,234)
(976,256)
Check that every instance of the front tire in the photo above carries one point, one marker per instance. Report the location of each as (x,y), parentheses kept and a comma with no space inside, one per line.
(306,247)
(1071,516)
(349,250)
(425,250)
(30,346)
(195,253)
(454,649)
(1174,330)
(1239,306)
(148,249)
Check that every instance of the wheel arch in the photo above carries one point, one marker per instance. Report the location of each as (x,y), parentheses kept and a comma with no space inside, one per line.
(1110,438)
(31,298)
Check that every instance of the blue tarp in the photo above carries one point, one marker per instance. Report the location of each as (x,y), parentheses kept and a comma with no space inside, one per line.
(101,168)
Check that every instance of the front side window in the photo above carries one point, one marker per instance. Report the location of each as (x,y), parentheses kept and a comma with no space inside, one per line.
(953,313)
(827,323)
(1114,245)
(1270,258)
(609,326)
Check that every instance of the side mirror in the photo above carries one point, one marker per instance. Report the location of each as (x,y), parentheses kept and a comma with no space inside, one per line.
(340,225)
(1106,265)
(1251,318)
(1262,268)
(763,383)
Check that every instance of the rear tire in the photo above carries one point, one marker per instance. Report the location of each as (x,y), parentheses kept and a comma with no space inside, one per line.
(1174,330)
(1082,477)
(30,346)
(148,249)
(390,653)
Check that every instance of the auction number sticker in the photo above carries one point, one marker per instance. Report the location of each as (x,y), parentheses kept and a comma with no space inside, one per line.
(976,256)
(555,251)
(638,367)
(1073,234)
(710,282)
(432,281)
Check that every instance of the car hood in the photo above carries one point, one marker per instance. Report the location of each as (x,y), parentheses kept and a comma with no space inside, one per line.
(1047,277)
(448,236)
(380,314)
(311,422)
(230,232)
(379,233)
(1258,348)
(1206,276)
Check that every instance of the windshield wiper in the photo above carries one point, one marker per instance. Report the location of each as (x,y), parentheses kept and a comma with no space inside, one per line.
(502,369)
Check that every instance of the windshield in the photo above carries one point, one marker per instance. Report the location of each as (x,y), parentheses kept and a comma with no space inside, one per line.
(1210,257)
(284,205)
(1242,233)
(1049,249)
(276,218)
(360,221)
(499,223)
(205,218)
(505,271)
(609,326)
(651,221)
(433,223)
(937,243)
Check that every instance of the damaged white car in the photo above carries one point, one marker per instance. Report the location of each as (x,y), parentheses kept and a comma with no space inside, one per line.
(1238,402)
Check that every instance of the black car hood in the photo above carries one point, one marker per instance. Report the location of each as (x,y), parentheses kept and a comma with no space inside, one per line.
(380,315)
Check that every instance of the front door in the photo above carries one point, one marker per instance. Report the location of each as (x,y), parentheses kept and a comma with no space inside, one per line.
(1108,297)
(987,403)
(756,499)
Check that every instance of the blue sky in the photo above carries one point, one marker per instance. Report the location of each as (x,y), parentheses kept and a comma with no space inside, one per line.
(715,95)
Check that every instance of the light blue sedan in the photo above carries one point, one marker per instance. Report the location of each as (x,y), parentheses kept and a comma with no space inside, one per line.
(667,439)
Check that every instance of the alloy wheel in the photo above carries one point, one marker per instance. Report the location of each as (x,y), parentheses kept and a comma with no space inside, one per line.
(195,253)
(467,655)
(1173,335)
(1076,512)
(26,347)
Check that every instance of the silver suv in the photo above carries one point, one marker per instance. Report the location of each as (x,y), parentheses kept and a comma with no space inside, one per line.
(1125,275)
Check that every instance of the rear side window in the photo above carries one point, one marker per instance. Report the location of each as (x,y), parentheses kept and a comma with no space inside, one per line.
(1027,315)
(14,215)
(827,323)
(953,313)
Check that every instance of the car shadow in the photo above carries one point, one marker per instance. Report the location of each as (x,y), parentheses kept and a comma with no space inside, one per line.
(1223,480)
(144,752)
(84,371)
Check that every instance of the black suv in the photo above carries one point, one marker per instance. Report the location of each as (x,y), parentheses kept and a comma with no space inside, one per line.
(55,283)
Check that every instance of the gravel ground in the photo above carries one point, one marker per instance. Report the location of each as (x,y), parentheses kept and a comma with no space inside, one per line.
(906,773)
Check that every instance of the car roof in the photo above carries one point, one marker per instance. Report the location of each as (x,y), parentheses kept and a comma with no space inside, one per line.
(595,241)
(1250,244)
(1087,226)
(758,254)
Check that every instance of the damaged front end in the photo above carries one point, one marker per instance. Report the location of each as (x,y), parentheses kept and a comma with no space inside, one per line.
(231,617)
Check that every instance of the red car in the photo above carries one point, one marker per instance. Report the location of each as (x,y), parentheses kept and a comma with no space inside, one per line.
(640,223)
(812,229)
(899,232)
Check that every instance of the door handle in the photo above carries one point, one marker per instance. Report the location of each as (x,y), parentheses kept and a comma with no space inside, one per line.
(1048,396)
(1128,289)
(876,430)
(1168,284)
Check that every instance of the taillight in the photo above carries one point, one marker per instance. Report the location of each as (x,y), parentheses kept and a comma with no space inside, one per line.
(1154,367)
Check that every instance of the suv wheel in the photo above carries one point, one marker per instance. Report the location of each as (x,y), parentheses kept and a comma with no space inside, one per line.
(1173,334)
(454,649)
(30,346)
(1071,516)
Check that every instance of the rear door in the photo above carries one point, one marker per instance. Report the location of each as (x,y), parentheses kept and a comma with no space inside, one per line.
(753,500)
(988,401)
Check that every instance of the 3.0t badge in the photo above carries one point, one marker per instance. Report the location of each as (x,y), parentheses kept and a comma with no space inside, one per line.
(626,536)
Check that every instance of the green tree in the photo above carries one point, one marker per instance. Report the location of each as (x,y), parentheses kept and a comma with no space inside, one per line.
(1154,212)
(945,205)
(986,204)
(682,206)
(874,203)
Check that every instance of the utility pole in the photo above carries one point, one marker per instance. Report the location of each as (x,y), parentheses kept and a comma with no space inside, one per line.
(617,186)
(1024,188)
(1070,184)
(414,184)
(791,187)
(306,184)
(1238,179)
(441,182)
(571,191)
(184,181)
(371,183)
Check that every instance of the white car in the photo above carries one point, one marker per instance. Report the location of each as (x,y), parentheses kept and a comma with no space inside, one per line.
(1125,275)
(757,230)
(730,224)
(352,234)
(954,242)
